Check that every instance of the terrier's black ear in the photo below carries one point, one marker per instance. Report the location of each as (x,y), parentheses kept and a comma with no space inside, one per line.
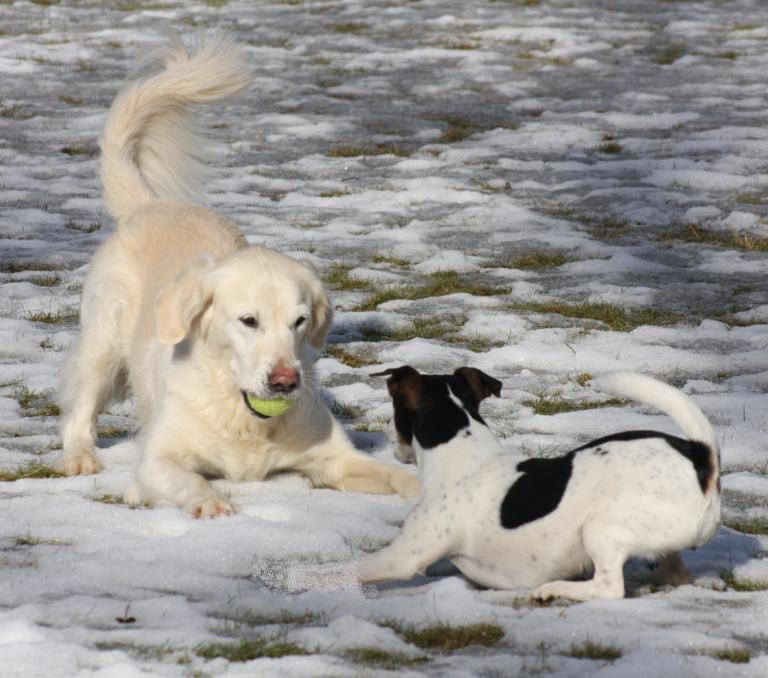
(481,384)
(404,385)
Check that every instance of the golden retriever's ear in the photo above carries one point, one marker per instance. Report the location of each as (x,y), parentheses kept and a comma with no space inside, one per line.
(322,316)
(181,301)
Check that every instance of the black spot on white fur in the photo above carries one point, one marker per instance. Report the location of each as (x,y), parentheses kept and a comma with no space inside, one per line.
(537,492)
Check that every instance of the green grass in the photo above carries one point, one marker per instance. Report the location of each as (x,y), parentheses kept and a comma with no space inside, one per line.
(382,659)
(555,404)
(110,499)
(422,328)
(731,582)
(603,227)
(37,541)
(747,525)
(135,5)
(367,427)
(335,193)
(249,649)
(347,357)
(79,149)
(735,655)
(283,617)
(377,149)
(615,317)
(436,284)
(21,266)
(607,228)
(350,27)
(34,469)
(445,637)
(338,277)
(669,54)
(36,402)
(610,147)
(704,236)
(15,112)
(83,227)
(113,432)
(751,198)
(399,262)
(451,43)
(455,133)
(347,411)
(64,316)
(48,344)
(45,280)
(592,650)
(533,260)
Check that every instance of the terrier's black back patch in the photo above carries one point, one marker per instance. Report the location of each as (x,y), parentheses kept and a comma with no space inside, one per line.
(537,492)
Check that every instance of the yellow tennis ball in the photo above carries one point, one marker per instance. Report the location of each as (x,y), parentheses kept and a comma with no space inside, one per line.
(272,407)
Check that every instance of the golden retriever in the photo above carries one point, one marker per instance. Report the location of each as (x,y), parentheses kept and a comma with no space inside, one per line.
(180,313)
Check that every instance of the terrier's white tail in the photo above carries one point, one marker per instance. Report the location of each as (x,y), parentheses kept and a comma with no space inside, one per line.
(669,400)
(150,149)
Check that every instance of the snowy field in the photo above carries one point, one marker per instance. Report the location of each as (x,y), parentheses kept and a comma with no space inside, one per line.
(543,189)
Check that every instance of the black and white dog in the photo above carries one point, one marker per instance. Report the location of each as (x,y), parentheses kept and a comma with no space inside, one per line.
(507,521)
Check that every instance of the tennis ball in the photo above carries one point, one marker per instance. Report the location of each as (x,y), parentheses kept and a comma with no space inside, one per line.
(272,407)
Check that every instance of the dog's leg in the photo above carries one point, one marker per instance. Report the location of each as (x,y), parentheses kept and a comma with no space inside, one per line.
(338,465)
(672,570)
(425,538)
(603,544)
(93,375)
(160,480)
(354,472)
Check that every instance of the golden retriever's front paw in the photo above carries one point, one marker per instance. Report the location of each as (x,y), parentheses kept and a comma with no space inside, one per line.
(210,507)
(405,484)
(78,464)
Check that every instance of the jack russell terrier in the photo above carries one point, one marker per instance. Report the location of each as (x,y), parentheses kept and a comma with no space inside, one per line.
(507,521)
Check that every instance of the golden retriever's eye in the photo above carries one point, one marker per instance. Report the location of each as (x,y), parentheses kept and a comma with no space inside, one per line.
(249,321)
(300,321)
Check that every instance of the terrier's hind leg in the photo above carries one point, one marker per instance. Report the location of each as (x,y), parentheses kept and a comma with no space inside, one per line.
(604,546)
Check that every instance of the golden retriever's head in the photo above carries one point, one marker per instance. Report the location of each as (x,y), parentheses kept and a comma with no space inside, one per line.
(254,310)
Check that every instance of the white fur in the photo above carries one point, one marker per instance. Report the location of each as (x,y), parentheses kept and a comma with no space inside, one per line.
(162,307)
(638,498)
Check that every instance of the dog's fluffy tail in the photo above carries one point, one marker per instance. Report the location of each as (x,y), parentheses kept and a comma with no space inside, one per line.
(672,402)
(150,148)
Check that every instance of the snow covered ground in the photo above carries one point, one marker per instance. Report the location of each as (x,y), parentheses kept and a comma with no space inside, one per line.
(541,189)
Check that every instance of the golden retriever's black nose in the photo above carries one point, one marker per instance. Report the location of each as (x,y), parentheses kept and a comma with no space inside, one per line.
(284,379)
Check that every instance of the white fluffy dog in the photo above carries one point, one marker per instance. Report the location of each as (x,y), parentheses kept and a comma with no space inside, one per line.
(179,312)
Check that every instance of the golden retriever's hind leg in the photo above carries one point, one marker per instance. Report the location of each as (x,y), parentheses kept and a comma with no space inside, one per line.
(94,375)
